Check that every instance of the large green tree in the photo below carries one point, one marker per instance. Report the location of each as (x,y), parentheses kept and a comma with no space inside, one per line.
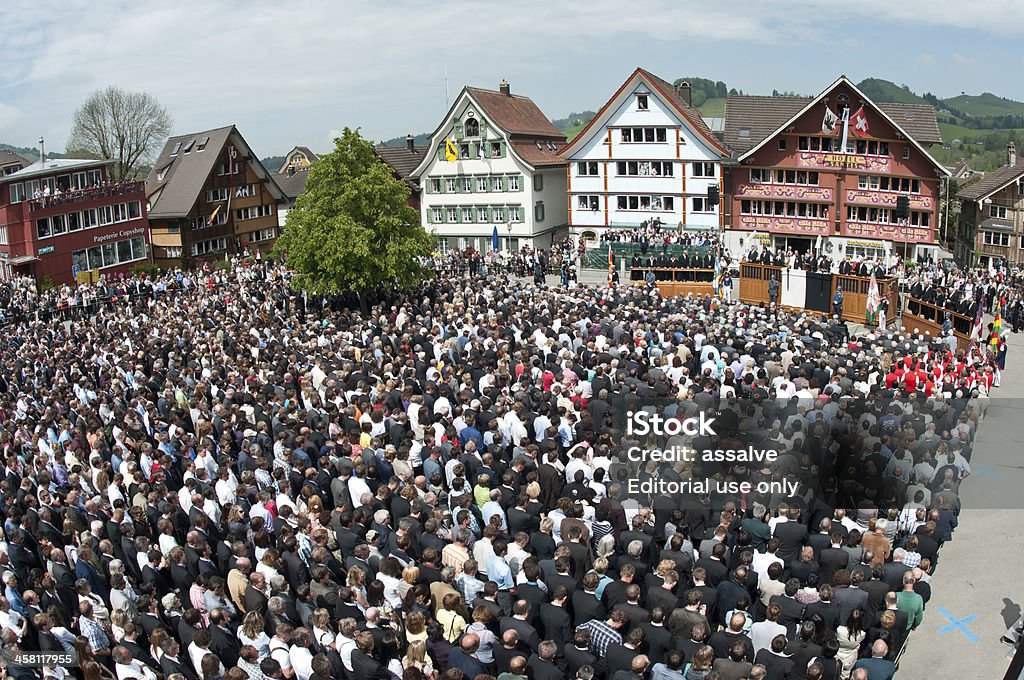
(351,231)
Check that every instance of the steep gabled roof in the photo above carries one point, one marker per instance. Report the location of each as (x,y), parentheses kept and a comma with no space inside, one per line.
(178,176)
(992,182)
(539,153)
(292,185)
(758,116)
(515,114)
(306,151)
(9,157)
(667,93)
(843,80)
(400,158)
(54,165)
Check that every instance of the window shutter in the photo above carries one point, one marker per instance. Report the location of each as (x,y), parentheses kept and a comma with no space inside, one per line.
(458,131)
(521,182)
(483,129)
(502,154)
(474,150)
(430,215)
(440,152)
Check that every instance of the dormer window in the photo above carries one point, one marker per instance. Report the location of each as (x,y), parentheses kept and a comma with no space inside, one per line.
(641,102)
(472,128)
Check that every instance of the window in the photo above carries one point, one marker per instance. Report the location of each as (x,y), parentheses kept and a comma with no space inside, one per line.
(538,183)
(481,184)
(74,221)
(644,134)
(106,214)
(134,210)
(472,127)
(588,203)
(437,214)
(703,169)
(3,234)
(117,252)
(744,133)
(481,215)
(120,212)
(997,211)
(17,193)
(172,251)
(586,168)
(210,246)
(920,219)
(463,151)
(435,186)
(89,218)
(906,152)
(644,169)
(538,211)
(497,184)
(452,215)
(467,215)
(467,185)
(641,102)
(43,227)
(450,185)
(216,195)
(496,150)
(513,183)
(514,214)
(245,191)
(176,149)
(254,212)
(782,144)
(226,168)
(700,204)
(268,234)
(646,203)
(996,238)
(202,143)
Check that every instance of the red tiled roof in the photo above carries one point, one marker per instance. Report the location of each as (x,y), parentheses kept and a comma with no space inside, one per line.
(537,153)
(515,114)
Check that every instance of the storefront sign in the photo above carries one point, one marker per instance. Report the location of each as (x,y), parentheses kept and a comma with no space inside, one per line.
(792,225)
(889,232)
(784,191)
(843,161)
(46,251)
(116,235)
(886,199)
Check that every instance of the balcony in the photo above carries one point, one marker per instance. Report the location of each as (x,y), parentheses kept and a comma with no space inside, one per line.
(55,204)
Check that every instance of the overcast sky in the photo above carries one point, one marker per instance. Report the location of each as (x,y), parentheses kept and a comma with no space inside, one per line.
(291,72)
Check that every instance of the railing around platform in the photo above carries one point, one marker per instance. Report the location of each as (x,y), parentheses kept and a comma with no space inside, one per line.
(926,317)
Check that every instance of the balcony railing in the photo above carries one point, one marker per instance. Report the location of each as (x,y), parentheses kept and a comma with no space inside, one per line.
(81,195)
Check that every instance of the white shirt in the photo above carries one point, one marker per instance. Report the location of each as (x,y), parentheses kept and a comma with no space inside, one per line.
(302,662)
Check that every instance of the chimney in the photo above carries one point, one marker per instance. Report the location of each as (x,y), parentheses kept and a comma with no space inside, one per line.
(504,88)
(684,92)
(410,143)
(1011,153)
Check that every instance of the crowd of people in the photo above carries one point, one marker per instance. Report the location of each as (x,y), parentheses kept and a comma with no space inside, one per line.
(213,475)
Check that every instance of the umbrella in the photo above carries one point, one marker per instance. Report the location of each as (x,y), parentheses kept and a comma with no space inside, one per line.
(494,239)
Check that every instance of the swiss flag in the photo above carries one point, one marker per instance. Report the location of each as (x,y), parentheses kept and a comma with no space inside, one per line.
(859,123)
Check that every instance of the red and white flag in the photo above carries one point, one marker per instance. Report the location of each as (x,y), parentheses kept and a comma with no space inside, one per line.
(859,123)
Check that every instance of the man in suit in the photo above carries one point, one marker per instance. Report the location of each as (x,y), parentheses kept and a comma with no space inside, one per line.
(464,656)
(585,605)
(542,666)
(364,666)
(170,663)
(791,534)
(519,622)
(577,654)
(554,619)
(657,637)
(255,598)
(878,667)
(63,579)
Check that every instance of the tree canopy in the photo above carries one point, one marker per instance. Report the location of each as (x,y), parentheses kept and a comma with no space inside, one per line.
(351,231)
(128,127)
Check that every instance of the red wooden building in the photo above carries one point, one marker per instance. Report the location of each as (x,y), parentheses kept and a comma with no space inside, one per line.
(65,216)
(795,181)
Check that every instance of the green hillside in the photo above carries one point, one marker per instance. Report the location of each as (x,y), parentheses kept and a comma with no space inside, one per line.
(985,104)
(713,108)
(887,91)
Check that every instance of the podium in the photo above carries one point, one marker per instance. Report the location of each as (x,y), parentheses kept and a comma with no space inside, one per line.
(928,318)
(672,281)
